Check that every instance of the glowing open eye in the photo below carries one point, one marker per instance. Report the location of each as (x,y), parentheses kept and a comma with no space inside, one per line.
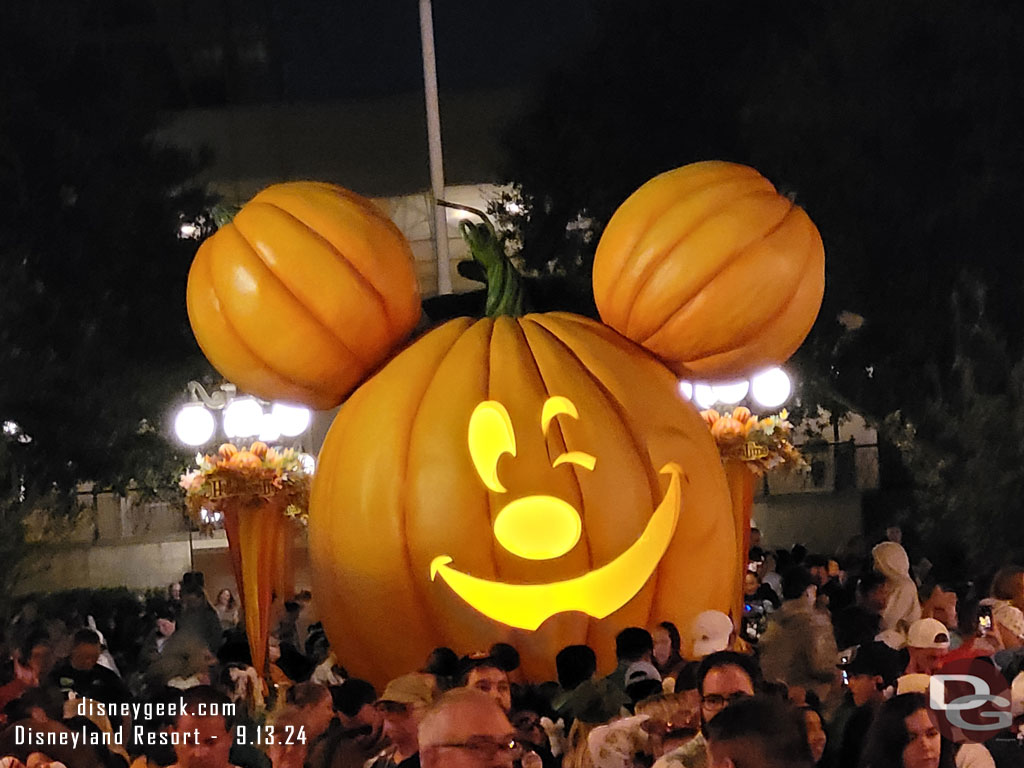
(490,435)
(556,406)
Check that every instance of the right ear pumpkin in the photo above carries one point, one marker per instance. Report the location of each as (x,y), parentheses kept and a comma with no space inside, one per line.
(711,269)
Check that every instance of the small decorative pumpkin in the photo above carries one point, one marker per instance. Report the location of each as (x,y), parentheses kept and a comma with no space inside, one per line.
(712,270)
(245,460)
(305,292)
(728,430)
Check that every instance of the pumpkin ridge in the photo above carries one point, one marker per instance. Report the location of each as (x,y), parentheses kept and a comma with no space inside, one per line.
(590,551)
(237,337)
(547,392)
(747,338)
(649,273)
(724,263)
(670,203)
(308,387)
(616,406)
(428,614)
(490,396)
(364,364)
(640,448)
(751,331)
(361,278)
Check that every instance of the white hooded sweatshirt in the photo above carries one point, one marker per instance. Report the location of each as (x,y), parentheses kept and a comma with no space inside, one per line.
(892,562)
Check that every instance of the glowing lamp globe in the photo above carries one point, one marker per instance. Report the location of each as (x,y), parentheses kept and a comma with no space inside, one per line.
(243,417)
(771,388)
(270,429)
(704,395)
(731,393)
(292,420)
(194,425)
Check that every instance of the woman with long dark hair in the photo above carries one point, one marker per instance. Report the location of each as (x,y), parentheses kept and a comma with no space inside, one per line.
(667,658)
(904,736)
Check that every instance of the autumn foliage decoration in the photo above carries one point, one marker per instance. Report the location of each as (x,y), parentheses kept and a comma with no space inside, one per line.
(260,492)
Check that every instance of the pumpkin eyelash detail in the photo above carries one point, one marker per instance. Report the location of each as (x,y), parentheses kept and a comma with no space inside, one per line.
(579,458)
(490,435)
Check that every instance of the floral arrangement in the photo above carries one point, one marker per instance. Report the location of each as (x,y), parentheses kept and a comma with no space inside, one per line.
(763,443)
(247,476)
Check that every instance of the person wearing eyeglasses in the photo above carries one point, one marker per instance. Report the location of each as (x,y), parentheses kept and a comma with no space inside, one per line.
(723,678)
(466,728)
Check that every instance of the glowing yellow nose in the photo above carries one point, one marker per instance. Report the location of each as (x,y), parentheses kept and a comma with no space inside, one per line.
(538,527)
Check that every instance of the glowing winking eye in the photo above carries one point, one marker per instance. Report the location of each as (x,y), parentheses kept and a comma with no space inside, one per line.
(563,406)
(490,435)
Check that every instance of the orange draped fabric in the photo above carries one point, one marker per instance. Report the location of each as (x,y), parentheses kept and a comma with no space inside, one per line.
(741,490)
(260,539)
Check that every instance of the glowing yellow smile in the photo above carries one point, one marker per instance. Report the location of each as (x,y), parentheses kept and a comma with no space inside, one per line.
(597,593)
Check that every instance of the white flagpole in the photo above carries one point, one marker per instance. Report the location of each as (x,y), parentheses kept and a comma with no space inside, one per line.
(444,277)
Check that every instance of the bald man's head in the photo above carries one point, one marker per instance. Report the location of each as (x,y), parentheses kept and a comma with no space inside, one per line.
(466,728)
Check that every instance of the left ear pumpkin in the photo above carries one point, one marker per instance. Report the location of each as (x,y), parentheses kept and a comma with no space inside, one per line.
(712,270)
(303,294)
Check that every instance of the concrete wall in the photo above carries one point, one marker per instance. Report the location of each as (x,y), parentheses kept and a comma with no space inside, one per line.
(821,522)
(144,565)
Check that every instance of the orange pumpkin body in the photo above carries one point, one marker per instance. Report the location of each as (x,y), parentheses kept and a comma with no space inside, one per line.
(712,270)
(303,294)
(396,487)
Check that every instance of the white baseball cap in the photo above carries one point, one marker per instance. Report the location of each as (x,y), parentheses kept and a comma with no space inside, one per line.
(711,633)
(929,634)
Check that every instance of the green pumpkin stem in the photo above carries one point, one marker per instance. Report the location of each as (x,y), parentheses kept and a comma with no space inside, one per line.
(505,287)
(224,213)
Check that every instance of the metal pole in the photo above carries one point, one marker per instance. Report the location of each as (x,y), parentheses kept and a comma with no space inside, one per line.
(444,277)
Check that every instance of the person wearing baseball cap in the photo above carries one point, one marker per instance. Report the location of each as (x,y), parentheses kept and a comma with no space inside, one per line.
(712,632)
(871,671)
(642,680)
(403,704)
(928,644)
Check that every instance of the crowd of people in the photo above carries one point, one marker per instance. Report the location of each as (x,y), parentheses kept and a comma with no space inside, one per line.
(830,666)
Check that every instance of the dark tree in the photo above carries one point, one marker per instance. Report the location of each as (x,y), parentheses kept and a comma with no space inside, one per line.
(895,125)
(94,340)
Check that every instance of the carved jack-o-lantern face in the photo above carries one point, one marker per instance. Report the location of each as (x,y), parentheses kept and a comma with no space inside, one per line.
(533,480)
(544,527)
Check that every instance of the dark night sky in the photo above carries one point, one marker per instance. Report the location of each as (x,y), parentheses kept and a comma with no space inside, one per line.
(343,49)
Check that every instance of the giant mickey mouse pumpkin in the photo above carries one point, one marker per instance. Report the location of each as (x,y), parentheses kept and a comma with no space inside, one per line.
(537,479)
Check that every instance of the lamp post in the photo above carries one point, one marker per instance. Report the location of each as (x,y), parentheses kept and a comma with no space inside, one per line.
(770,388)
(436,157)
(766,389)
(242,416)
